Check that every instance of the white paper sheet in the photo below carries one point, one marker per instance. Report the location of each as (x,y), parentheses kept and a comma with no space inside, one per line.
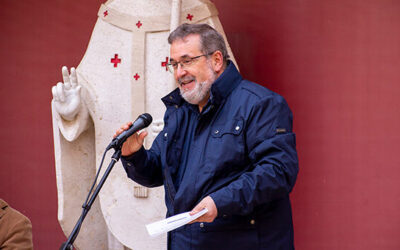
(173,222)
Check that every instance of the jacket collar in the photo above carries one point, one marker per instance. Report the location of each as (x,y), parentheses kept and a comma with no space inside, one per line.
(173,98)
(225,83)
(220,89)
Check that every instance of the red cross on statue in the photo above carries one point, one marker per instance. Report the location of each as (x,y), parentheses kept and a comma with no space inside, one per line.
(164,64)
(136,76)
(138,24)
(105,13)
(189,17)
(115,60)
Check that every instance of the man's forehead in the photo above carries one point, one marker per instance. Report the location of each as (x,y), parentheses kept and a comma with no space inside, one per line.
(187,46)
(194,37)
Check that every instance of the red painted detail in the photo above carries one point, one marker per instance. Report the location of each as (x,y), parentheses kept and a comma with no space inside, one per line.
(138,24)
(136,76)
(189,17)
(115,60)
(164,64)
(105,13)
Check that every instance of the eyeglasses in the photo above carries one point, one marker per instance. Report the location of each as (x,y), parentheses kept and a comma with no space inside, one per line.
(185,63)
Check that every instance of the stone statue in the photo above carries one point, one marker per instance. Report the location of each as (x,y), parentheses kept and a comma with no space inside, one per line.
(122,75)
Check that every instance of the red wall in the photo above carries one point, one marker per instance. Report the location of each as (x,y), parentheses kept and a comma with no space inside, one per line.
(337,63)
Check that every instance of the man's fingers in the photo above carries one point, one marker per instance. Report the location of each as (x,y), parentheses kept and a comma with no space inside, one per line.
(202,204)
(203,218)
(118,132)
(142,136)
(122,129)
(200,219)
(66,79)
(212,213)
(73,78)
(196,209)
(126,126)
(60,91)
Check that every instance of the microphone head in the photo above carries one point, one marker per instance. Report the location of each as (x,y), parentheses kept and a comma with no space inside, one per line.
(147,119)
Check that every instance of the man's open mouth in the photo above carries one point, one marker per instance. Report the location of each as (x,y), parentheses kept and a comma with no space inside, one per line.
(184,81)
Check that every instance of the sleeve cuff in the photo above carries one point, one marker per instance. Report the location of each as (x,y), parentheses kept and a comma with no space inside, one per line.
(222,202)
(134,159)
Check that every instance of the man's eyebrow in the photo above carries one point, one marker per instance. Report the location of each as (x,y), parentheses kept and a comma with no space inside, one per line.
(181,57)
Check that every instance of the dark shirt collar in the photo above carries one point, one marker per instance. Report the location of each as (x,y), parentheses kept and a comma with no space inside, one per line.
(220,89)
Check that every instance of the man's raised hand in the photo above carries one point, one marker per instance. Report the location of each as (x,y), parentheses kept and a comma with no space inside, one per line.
(133,143)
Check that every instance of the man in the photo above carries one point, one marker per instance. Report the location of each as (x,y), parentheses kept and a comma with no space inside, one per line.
(227,145)
(15,229)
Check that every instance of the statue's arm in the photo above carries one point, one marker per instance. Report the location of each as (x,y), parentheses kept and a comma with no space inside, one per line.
(70,112)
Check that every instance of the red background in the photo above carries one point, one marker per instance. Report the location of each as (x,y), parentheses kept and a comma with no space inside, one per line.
(337,63)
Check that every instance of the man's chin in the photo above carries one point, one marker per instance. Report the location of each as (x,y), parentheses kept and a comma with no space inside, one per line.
(197,94)
(190,98)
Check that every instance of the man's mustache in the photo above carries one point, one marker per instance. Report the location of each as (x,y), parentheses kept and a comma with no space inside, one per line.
(186,79)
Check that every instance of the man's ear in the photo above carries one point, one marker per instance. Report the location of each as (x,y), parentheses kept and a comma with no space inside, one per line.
(217,61)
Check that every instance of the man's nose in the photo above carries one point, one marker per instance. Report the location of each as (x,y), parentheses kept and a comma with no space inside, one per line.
(180,71)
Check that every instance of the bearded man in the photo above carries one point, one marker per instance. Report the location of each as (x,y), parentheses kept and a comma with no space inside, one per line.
(227,145)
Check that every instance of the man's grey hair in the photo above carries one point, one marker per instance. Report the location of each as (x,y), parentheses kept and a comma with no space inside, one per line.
(210,39)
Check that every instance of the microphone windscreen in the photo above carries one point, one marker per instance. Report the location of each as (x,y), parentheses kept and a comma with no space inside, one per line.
(146,118)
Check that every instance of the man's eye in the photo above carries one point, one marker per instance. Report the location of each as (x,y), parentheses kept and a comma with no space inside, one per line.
(174,65)
(187,61)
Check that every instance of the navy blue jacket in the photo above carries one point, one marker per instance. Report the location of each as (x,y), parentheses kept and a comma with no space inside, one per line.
(243,155)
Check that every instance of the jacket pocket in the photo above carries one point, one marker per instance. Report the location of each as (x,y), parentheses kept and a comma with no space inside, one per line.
(225,149)
(233,127)
(229,223)
(233,232)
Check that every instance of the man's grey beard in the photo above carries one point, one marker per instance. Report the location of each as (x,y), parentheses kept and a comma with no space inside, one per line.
(198,94)
(201,90)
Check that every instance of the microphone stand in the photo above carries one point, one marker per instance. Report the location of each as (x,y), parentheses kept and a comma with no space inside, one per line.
(68,245)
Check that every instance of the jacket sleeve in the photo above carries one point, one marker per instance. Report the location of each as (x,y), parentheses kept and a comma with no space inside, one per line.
(144,166)
(17,231)
(272,152)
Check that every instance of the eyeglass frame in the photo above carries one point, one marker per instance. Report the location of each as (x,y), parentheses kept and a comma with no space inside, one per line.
(188,62)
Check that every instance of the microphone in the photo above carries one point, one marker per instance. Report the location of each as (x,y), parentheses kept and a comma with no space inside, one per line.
(141,122)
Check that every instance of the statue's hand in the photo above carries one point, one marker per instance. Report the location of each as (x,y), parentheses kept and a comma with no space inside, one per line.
(67,98)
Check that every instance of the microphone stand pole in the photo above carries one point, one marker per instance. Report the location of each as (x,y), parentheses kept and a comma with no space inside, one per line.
(68,245)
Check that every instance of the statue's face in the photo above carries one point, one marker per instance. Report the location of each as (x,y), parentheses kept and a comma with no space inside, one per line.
(195,78)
